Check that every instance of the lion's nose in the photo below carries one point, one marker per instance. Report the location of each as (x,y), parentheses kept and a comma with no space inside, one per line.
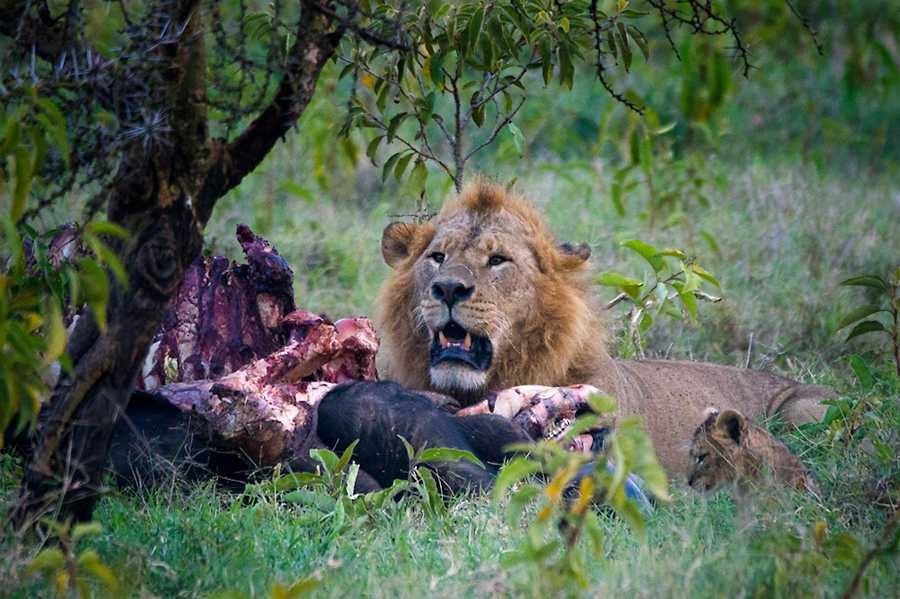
(451,292)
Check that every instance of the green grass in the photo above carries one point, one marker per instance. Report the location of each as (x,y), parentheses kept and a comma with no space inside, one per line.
(171,543)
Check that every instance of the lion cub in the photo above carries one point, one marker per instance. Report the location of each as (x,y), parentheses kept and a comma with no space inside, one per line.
(727,449)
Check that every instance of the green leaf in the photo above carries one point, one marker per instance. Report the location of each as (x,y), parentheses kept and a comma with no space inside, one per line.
(24,173)
(12,137)
(511,473)
(690,304)
(710,240)
(436,69)
(867,326)
(859,366)
(345,457)
(385,171)
(107,228)
(40,148)
(704,274)
(859,314)
(475,26)
(314,499)
(410,452)
(89,560)
(54,328)
(372,149)
(610,279)
(426,106)
(94,286)
(444,454)
(394,124)
(674,253)
(616,193)
(53,111)
(296,480)
(638,36)
(602,404)
(297,190)
(401,166)
(624,46)
(867,281)
(582,424)
(566,68)
(417,179)
(429,489)
(518,139)
(326,457)
(48,560)
(648,253)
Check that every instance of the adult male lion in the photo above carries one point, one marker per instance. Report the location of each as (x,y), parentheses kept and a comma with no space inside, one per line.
(483,299)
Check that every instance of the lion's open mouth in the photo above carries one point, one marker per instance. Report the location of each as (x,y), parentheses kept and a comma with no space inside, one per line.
(455,343)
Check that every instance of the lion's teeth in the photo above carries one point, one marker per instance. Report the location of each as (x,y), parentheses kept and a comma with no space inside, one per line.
(468,342)
(442,338)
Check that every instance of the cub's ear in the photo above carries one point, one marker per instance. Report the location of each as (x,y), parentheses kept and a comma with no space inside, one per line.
(731,425)
(574,255)
(396,241)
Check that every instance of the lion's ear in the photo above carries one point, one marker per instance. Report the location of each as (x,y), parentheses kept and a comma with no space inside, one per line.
(731,425)
(574,255)
(396,241)
(710,415)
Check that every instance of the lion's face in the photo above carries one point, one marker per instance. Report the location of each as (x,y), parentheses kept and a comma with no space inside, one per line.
(481,296)
(474,284)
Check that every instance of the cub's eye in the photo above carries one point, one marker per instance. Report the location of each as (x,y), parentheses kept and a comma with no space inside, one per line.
(702,457)
(497,260)
(437,257)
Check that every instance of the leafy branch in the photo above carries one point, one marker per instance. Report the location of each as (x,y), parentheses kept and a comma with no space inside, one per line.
(565,486)
(672,290)
(890,294)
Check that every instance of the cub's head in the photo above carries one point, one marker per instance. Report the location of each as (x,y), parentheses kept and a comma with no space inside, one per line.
(714,449)
(482,298)
(728,449)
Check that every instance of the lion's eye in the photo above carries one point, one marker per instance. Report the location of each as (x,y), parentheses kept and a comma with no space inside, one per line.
(437,257)
(702,457)
(497,260)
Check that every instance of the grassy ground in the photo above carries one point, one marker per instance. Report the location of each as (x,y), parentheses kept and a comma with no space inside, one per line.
(786,231)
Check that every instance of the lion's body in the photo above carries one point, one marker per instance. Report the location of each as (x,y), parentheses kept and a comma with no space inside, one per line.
(729,450)
(484,299)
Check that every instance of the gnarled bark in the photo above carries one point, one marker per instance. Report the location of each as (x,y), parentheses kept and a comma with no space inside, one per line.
(163,196)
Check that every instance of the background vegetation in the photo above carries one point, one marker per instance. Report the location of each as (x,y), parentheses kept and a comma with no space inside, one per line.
(783,185)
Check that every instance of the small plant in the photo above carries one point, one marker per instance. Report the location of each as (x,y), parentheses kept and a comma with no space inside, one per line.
(573,482)
(848,419)
(331,489)
(672,291)
(65,568)
(300,588)
(890,306)
(675,182)
(790,561)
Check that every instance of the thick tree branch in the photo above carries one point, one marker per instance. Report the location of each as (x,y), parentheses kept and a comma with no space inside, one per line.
(314,46)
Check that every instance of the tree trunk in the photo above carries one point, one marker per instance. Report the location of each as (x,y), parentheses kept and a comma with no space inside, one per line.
(164,195)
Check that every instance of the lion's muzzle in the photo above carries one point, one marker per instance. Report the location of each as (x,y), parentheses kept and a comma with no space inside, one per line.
(451,291)
(453,342)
